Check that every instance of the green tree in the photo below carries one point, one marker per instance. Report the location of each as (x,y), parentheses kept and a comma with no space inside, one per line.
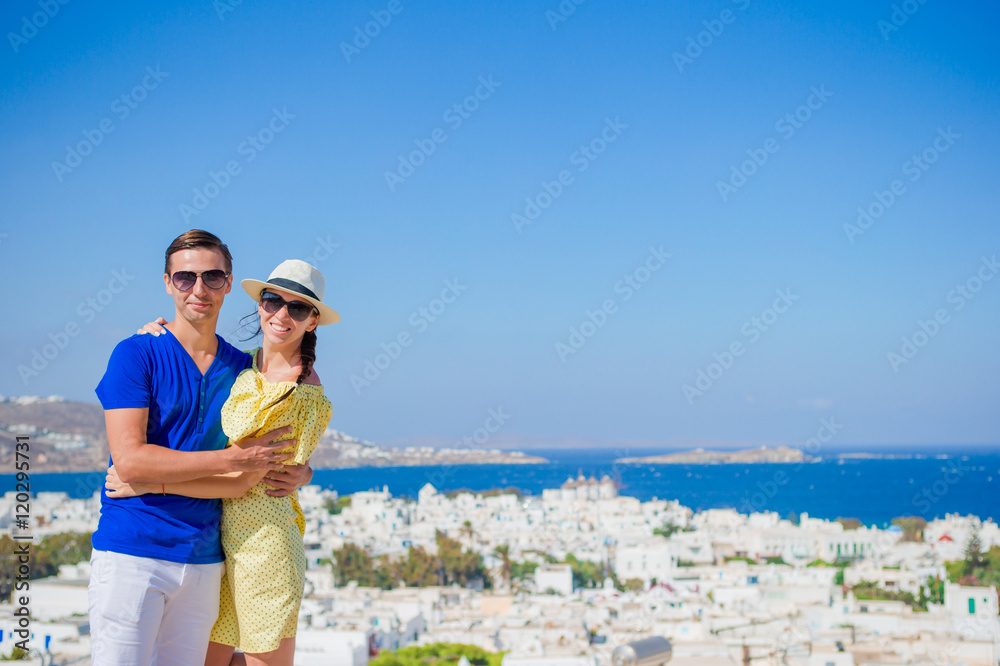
(521,570)
(336,506)
(978,568)
(935,590)
(633,585)
(912,526)
(16,654)
(44,558)
(459,566)
(546,557)
(667,530)
(510,490)
(931,592)
(420,568)
(850,523)
(869,590)
(437,654)
(585,573)
(748,560)
(8,567)
(352,562)
(55,550)
(468,532)
(506,566)
(974,550)
(387,573)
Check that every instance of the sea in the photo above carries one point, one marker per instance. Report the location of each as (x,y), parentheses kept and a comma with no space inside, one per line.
(921,482)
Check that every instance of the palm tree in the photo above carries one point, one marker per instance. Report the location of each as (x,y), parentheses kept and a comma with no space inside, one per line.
(506,566)
(468,532)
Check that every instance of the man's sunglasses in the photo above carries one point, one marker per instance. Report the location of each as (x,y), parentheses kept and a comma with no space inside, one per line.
(297,310)
(213,279)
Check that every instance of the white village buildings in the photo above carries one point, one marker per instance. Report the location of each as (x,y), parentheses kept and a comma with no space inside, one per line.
(707,586)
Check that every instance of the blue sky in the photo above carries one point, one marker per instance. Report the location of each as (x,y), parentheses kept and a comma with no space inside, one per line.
(643,109)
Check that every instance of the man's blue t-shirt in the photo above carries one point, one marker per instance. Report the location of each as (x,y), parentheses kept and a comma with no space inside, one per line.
(185,409)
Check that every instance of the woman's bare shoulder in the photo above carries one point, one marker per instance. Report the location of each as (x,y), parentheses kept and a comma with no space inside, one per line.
(313,378)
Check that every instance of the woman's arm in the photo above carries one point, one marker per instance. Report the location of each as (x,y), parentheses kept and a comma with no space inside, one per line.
(232,485)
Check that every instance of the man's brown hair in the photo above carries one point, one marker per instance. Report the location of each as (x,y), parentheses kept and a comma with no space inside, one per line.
(197,238)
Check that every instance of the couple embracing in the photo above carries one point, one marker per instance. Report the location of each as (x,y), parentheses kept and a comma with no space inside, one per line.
(179,577)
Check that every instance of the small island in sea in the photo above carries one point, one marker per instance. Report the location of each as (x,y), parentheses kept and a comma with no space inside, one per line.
(763,454)
(876,456)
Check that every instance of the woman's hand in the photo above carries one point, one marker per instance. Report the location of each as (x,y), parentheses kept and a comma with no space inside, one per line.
(288,479)
(154,327)
(255,454)
(116,488)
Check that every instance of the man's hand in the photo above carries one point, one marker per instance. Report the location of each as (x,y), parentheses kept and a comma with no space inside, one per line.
(154,327)
(254,454)
(288,479)
(116,488)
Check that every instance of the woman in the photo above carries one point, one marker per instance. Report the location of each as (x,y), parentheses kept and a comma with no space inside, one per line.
(261,534)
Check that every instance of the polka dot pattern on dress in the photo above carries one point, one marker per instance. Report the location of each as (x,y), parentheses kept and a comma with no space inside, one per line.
(262,535)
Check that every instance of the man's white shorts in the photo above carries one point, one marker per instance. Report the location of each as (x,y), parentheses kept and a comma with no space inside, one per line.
(146,612)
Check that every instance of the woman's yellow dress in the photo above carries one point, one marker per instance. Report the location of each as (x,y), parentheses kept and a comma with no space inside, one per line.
(262,535)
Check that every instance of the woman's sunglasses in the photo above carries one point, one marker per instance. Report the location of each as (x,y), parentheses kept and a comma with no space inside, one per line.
(297,310)
(213,279)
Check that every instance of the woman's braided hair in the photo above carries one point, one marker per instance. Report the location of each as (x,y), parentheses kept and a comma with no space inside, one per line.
(307,355)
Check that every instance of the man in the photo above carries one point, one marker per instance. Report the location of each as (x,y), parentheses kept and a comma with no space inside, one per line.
(157,562)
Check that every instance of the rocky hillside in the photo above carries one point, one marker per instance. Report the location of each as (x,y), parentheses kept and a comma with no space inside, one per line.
(70,437)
